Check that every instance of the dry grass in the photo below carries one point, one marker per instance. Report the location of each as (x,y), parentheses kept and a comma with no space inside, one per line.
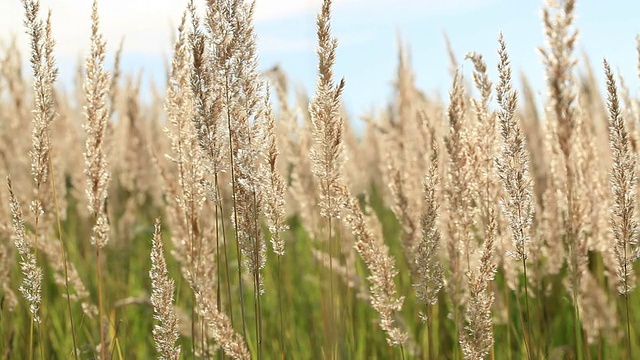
(476,227)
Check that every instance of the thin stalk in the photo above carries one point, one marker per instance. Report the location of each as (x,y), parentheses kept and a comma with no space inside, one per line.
(573,248)
(343,293)
(116,346)
(328,160)
(456,321)
(626,293)
(430,332)
(331,298)
(193,326)
(506,298)
(282,353)
(323,305)
(576,327)
(35,252)
(256,277)
(218,270)
(194,314)
(205,352)
(456,308)
(626,306)
(235,208)
(41,343)
(100,310)
(258,310)
(194,236)
(181,172)
(522,326)
(31,339)
(64,258)
(349,311)
(224,243)
(219,276)
(600,348)
(197,235)
(527,337)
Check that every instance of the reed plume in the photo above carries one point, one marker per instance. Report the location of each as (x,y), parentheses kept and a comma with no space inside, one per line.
(220,327)
(477,338)
(44,74)
(31,287)
(381,265)
(326,152)
(165,333)
(561,37)
(512,164)
(458,194)
(429,268)
(96,88)
(327,124)
(190,188)
(623,185)
(274,188)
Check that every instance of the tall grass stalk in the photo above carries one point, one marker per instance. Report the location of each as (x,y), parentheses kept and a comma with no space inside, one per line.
(512,165)
(65,261)
(31,287)
(165,333)
(326,152)
(96,89)
(623,212)
(274,191)
(44,73)
(428,266)
(232,165)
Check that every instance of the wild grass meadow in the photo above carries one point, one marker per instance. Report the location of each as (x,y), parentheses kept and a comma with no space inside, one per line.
(233,217)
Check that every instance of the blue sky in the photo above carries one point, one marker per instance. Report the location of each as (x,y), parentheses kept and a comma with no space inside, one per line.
(368,34)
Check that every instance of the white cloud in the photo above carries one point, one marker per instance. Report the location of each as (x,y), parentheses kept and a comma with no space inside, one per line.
(145,28)
(147,25)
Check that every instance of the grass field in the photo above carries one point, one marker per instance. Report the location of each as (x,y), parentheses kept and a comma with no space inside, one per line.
(232,217)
